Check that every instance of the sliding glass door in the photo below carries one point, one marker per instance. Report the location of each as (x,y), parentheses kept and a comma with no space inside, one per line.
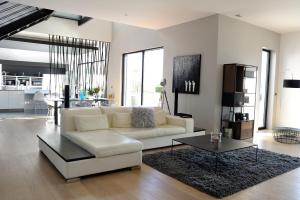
(153,74)
(142,73)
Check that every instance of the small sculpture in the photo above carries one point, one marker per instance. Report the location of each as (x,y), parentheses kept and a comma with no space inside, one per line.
(186,85)
(193,83)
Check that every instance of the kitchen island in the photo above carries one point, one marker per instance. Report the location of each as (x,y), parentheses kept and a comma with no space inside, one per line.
(12,100)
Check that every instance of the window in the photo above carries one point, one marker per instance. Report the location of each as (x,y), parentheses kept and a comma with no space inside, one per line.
(142,74)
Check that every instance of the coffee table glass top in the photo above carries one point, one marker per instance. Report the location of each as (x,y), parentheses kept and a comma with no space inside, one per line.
(203,142)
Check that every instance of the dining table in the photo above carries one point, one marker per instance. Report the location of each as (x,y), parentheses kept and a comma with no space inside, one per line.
(58,103)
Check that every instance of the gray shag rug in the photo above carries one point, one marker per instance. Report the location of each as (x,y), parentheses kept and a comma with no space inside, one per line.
(237,170)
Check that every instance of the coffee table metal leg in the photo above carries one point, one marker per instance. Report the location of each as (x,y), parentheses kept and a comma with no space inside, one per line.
(256,153)
(172,147)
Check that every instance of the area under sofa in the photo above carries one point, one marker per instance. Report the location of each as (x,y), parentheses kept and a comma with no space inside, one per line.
(114,147)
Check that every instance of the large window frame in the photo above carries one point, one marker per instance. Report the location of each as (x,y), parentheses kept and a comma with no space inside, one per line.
(143,64)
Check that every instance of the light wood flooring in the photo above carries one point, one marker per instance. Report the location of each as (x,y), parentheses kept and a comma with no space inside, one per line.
(25,173)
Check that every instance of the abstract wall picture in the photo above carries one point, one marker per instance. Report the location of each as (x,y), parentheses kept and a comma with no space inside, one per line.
(186,74)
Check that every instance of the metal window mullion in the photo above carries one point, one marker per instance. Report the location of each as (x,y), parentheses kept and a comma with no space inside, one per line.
(142,86)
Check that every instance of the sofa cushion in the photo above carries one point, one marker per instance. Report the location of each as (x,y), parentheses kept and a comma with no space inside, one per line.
(137,133)
(67,117)
(104,143)
(121,120)
(90,122)
(160,118)
(142,117)
(144,133)
(109,111)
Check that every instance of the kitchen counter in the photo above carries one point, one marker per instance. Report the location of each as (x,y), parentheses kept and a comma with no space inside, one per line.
(10,90)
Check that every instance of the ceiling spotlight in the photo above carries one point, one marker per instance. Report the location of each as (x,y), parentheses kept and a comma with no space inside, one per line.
(238,15)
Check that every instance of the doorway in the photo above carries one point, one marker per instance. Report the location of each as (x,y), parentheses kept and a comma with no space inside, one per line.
(264,89)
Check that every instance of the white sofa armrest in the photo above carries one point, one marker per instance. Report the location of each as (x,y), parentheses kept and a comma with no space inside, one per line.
(187,123)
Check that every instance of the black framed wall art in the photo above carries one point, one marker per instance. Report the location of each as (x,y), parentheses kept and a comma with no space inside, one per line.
(186,74)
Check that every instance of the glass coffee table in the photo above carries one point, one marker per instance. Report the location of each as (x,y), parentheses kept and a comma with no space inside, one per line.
(204,143)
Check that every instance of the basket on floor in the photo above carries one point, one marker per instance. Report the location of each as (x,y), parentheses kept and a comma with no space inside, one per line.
(287,135)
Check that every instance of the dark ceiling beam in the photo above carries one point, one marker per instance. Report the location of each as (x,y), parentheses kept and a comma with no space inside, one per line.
(84,20)
(23,63)
(80,20)
(63,17)
(4,2)
(46,42)
(24,23)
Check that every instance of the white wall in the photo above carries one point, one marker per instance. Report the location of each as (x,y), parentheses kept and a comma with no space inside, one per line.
(194,37)
(288,105)
(240,42)
(218,38)
(94,29)
(199,36)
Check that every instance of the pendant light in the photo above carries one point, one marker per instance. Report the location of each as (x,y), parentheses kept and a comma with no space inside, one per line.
(291,83)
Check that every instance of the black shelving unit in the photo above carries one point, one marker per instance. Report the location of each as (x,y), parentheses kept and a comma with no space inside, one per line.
(239,100)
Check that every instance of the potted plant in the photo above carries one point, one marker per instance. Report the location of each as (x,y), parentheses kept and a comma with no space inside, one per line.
(96,90)
(91,92)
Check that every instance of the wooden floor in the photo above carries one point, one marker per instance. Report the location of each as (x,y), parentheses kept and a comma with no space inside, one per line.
(25,173)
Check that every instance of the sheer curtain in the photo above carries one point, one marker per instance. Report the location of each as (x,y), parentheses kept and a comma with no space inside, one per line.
(84,63)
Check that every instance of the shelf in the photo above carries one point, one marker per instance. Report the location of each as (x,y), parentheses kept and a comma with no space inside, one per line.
(241,92)
(28,81)
(240,82)
(236,106)
(236,92)
(230,121)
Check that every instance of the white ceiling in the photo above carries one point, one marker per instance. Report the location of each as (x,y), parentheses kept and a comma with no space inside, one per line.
(278,15)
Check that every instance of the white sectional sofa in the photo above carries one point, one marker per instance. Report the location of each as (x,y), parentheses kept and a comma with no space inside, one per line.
(160,136)
(120,146)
